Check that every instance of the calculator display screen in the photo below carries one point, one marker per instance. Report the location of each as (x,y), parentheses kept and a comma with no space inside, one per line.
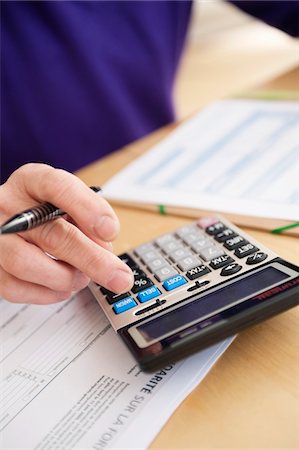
(211,303)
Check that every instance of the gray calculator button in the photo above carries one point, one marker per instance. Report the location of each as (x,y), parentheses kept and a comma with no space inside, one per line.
(185,231)
(211,252)
(149,256)
(179,254)
(171,246)
(188,263)
(156,264)
(200,244)
(144,248)
(192,237)
(164,239)
(165,273)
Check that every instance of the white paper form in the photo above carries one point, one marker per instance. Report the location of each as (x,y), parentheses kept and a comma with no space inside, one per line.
(68,381)
(236,156)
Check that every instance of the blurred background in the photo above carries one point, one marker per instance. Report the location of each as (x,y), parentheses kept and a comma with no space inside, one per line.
(227,52)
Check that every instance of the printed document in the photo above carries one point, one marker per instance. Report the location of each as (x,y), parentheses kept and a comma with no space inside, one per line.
(69,382)
(237,156)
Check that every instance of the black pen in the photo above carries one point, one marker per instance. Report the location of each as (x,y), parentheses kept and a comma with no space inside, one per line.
(33,217)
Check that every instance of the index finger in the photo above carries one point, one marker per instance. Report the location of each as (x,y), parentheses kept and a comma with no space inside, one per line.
(90,211)
(67,243)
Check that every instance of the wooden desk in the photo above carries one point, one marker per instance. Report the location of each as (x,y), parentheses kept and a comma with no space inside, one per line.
(250,397)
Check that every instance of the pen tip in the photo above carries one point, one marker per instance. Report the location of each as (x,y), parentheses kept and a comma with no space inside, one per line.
(95,188)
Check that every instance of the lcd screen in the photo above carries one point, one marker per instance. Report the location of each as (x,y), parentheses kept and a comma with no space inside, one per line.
(211,303)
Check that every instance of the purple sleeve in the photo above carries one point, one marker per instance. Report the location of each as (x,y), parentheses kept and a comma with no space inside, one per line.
(280,14)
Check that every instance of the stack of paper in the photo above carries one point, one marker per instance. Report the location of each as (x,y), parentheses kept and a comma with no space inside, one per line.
(68,381)
(237,157)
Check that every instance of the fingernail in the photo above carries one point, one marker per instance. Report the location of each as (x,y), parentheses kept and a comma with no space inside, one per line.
(121,281)
(109,246)
(107,228)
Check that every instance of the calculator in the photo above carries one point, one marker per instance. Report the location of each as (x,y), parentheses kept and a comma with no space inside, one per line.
(195,286)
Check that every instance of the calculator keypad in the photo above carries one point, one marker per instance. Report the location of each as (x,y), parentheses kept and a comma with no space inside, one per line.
(202,253)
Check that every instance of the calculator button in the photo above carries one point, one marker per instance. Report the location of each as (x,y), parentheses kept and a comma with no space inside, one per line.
(111,297)
(197,272)
(124,304)
(215,229)
(211,252)
(156,264)
(164,239)
(165,273)
(185,231)
(188,263)
(256,258)
(179,254)
(245,250)
(174,282)
(230,269)
(141,283)
(221,261)
(148,294)
(138,272)
(144,248)
(150,256)
(207,222)
(191,237)
(171,246)
(235,242)
(127,259)
(224,235)
(199,244)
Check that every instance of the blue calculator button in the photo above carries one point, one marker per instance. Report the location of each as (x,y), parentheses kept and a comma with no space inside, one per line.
(174,282)
(148,294)
(124,305)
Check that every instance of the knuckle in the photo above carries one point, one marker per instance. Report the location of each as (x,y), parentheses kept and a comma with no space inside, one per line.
(64,282)
(59,182)
(7,289)
(30,169)
(23,176)
(12,261)
(54,297)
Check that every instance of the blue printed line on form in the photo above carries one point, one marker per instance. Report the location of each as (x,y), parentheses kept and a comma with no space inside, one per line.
(273,174)
(210,151)
(294,197)
(254,154)
(159,166)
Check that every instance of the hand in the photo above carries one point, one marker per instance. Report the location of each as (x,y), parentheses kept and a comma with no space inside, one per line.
(79,252)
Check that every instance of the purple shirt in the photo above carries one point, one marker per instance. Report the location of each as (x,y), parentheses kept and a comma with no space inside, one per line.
(81,79)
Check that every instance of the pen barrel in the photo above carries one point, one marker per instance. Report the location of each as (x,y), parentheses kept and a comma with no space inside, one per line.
(41,214)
